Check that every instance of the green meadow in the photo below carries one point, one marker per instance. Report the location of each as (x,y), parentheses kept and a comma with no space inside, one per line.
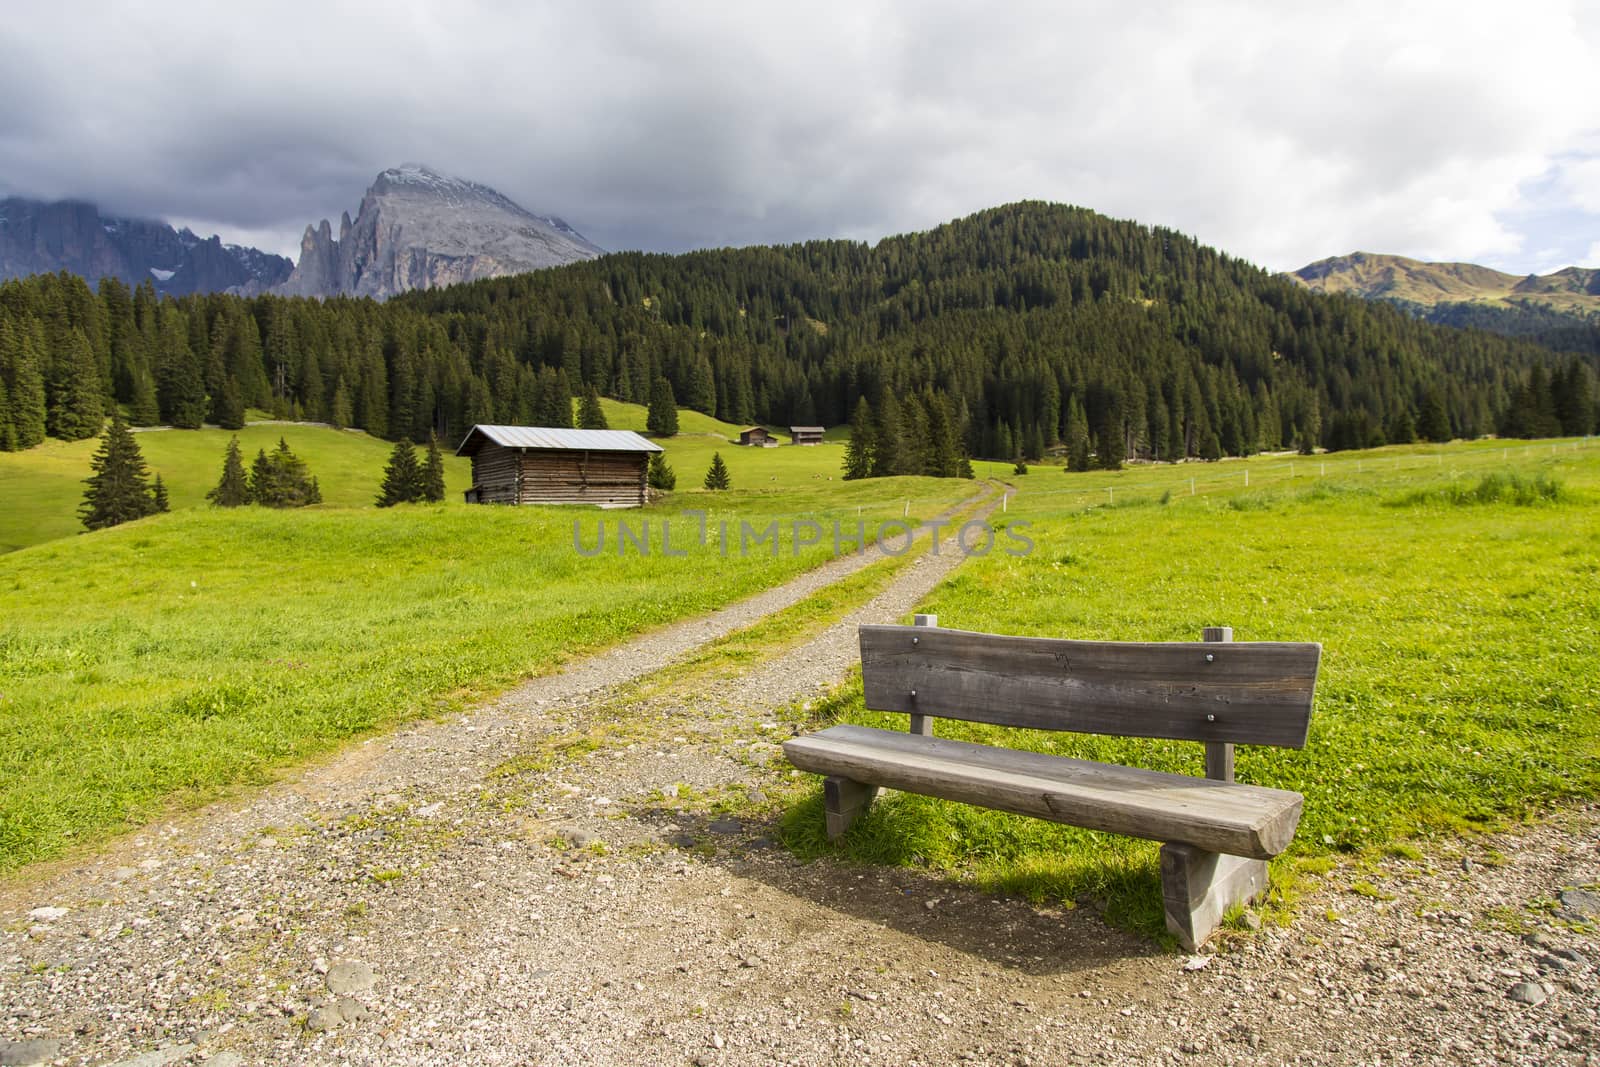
(159,662)
(42,487)
(1454,591)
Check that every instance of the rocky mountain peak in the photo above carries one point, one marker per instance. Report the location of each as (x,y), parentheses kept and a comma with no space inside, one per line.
(419,229)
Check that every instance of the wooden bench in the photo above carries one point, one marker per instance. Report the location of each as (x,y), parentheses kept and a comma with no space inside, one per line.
(1217,834)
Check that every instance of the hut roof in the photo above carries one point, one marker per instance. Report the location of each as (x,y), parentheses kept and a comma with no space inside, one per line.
(551,437)
(806,429)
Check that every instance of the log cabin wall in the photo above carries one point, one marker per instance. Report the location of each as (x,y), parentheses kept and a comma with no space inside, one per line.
(494,474)
(504,475)
(603,479)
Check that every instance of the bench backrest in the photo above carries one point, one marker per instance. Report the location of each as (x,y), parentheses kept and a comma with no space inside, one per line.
(1236,692)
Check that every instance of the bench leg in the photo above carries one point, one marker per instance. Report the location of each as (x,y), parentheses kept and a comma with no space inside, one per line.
(1198,887)
(843,799)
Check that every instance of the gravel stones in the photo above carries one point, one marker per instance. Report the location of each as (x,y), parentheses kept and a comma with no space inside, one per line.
(330,1016)
(575,837)
(21,1053)
(349,976)
(1530,993)
(1583,904)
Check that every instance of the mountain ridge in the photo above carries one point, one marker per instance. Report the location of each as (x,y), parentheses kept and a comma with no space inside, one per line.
(43,237)
(417,228)
(1400,279)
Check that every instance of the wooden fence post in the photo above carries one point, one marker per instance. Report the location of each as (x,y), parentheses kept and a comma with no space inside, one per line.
(1219,754)
(923,724)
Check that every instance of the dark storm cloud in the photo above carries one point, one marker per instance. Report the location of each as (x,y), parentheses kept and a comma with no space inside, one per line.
(1282,135)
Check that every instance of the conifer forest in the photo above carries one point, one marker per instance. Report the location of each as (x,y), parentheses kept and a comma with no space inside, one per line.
(1017,330)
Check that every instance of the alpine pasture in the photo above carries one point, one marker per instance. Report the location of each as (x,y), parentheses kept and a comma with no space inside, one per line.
(157,662)
(1453,589)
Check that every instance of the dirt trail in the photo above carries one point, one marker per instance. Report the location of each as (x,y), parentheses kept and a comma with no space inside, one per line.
(595,912)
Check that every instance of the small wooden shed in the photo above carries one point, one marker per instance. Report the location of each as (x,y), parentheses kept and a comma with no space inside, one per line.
(806,435)
(756,436)
(549,465)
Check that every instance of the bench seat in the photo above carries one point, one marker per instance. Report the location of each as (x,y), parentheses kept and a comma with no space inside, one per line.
(1225,817)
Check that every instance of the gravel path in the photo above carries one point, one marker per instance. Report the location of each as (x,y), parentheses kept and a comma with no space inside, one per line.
(549,881)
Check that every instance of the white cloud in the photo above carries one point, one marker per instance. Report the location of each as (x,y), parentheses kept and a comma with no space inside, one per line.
(1278,132)
(1580,181)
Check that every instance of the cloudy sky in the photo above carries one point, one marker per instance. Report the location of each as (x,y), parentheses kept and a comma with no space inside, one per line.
(1282,133)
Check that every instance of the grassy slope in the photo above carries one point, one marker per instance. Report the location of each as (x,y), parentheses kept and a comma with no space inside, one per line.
(1399,278)
(43,486)
(1460,680)
(187,652)
(771,469)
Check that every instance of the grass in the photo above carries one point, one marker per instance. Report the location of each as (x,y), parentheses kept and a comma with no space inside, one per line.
(43,486)
(679,685)
(1498,487)
(164,660)
(1460,686)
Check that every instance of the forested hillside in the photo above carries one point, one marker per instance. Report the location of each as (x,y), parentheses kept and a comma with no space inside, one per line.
(1028,325)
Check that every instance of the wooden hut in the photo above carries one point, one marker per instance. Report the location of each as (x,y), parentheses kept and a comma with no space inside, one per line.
(806,435)
(757,437)
(544,465)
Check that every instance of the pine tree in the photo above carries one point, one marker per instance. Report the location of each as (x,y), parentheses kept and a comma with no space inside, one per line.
(552,405)
(1021,466)
(888,439)
(74,406)
(26,383)
(660,475)
(158,494)
(340,415)
(717,473)
(263,484)
(942,448)
(858,453)
(591,416)
(702,387)
(227,406)
(143,410)
(118,489)
(282,480)
(1402,429)
(1435,422)
(1077,437)
(914,449)
(233,490)
(8,429)
(1310,430)
(1109,439)
(662,418)
(180,388)
(402,478)
(433,472)
(1574,397)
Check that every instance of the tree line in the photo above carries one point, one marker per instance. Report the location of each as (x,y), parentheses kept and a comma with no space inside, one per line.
(1033,326)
